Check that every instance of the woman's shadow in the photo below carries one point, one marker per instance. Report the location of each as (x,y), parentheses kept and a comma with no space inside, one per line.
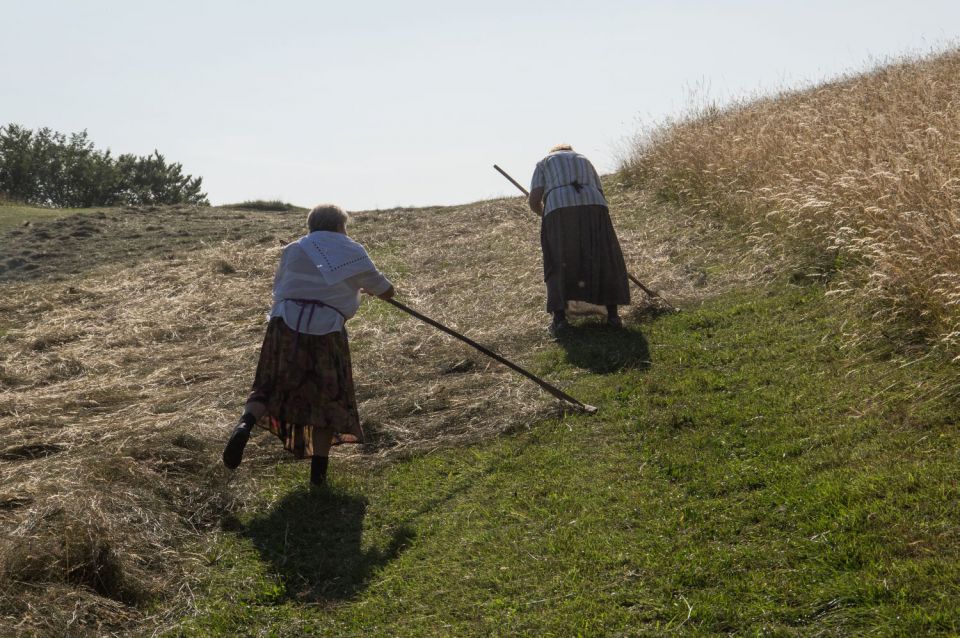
(314,542)
(602,349)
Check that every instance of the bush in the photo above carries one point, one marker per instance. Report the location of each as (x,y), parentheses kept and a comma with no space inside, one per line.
(47,168)
(264,205)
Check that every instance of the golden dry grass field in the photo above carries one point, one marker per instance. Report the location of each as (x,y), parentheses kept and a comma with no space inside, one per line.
(859,179)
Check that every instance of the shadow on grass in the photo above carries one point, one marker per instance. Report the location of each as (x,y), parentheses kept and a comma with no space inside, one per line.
(313,540)
(604,350)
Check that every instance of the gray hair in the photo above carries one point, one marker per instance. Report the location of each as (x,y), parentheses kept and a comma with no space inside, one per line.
(327,217)
(561,147)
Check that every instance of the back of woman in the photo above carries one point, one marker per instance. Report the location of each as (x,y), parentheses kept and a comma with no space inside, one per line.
(568,179)
(582,260)
(303,390)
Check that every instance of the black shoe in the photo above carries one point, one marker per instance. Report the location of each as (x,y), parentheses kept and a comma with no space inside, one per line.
(233,453)
(557,328)
(614,322)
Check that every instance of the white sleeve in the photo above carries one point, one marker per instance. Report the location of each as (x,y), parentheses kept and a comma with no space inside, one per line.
(276,277)
(372,281)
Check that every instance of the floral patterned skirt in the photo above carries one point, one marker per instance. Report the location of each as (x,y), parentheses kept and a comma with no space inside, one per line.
(306,382)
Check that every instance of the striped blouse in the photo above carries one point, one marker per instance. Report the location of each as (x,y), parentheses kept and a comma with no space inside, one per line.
(567,179)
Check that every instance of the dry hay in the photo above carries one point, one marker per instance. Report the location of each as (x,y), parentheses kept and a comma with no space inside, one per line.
(121,382)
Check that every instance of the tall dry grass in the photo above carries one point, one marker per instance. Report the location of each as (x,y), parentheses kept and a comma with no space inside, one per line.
(858,179)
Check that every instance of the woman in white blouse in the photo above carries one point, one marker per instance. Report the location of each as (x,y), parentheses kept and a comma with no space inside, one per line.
(303,390)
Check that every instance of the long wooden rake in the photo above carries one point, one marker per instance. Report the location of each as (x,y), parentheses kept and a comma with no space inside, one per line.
(555,391)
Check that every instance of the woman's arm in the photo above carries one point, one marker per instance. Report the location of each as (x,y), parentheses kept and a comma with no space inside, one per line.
(387,294)
(281,267)
(596,177)
(536,201)
(373,283)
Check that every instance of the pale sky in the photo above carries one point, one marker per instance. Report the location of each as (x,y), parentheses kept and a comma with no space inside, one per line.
(382,104)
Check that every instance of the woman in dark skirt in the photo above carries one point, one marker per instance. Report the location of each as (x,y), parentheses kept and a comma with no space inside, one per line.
(582,260)
(303,389)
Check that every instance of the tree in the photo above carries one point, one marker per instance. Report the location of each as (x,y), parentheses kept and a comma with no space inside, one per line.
(51,169)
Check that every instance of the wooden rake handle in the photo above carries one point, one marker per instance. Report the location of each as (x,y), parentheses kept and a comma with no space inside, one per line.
(555,391)
(512,181)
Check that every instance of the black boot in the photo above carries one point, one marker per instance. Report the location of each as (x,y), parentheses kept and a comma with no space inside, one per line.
(318,470)
(613,317)
(559,324)
(233,453)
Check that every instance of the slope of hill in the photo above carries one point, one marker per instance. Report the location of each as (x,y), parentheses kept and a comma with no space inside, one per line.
(128,337)
(718,474)
(752,468)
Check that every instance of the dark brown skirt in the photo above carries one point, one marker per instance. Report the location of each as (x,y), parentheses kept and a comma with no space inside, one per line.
(306,382)
(582,260)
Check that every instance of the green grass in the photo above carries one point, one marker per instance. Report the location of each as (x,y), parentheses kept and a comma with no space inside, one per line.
(742,476)
(13,215)
(17,214)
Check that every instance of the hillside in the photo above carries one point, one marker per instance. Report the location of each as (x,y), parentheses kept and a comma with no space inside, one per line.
(128,341)
(856,179)
(761,462)
(125,359)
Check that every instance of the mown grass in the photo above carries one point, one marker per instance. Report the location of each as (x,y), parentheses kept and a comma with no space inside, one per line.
(742,477)
(124,361)
(16,214)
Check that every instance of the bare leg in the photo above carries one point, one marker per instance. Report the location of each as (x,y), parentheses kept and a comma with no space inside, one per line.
(256,408)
